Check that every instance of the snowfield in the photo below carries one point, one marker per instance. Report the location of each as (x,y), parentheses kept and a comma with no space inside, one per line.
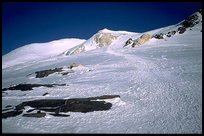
(38,51)
(159,83)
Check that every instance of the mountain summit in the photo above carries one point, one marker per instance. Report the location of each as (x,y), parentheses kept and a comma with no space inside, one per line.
(102,38)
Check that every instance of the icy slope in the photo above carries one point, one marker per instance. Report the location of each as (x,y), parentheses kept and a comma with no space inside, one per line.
(159,85)
(38,51)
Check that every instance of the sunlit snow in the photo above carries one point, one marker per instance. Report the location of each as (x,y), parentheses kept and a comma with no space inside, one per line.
(159,85)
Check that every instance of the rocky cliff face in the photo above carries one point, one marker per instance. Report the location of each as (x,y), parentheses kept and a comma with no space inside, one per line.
(143,39)
(139,41)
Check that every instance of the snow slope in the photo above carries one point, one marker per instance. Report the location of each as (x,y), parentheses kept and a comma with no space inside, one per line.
(38,51)
(160,88)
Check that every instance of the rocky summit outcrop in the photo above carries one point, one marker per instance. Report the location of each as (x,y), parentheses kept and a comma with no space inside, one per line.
(104,39)
(143,39)
(101,39)
(139,41)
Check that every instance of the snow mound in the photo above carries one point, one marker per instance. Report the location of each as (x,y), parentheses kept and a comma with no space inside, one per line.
(38,51)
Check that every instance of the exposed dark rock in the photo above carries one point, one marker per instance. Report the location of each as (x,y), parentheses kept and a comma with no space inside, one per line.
(45,94)
(104,97)
(67,72)
(30,110)
(74,105)
(60,115)
(173,32)
(128,42)
(43,103)
(169,34)
(7,109)
(196,22)
(158,36)
(26,87)
(22,95)
(85,105)
(187,23)
(45,73)
(11,114)
(181,30)
(39,114)
(75,65)
(8,106)
(4,89)
(134,44)
(200,11)
(191,20)
(56,106)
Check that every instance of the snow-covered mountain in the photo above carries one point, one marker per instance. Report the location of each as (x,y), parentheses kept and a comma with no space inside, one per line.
(38,51)
(114,82)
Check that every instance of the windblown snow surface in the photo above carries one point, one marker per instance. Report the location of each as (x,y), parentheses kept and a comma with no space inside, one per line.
(159,85)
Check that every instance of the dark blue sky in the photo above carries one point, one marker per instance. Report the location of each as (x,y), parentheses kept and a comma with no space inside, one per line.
(35,22)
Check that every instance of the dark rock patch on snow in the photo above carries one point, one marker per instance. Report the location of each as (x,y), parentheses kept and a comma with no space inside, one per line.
(45,73)
(8,106)
(7,109)
(158,36)
(181,30)
(60,70)
(104,97)
(128,42)
(188,23)
(75,65)
(30,110)
(169,34)
(39,114)
(60,105)
(60,115)
(26,87)
(56,106)
(11,114)
(45,94)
